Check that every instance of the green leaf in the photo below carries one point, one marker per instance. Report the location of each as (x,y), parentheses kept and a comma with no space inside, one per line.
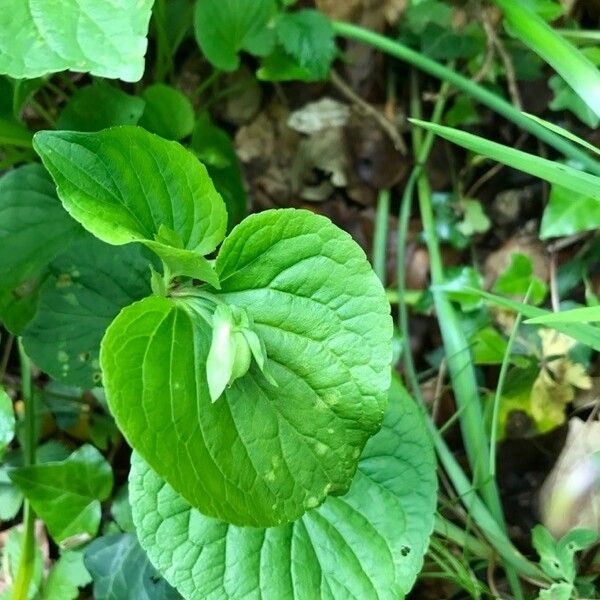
(7,420)
(549,10)
(10,497)
(587,314)
(474,218)
(34,228)
(66,577)
(489,346)
(90,284)
(568,213)
(557,591)
(98,106)
(120,509)
(225,27)
(215,149)
(557,559)
(308,37)
(13,133)
(586,334)
(121,570)
(97,36)
(571,64)
(18,305)
(280,66)
(551,171)
(518,278)
(564,133)
(11,557)
(420,14)
(67,494)
(566,99)
(368,544)
(123,184)
(266,454)
(577,539)
(168,112)
(457,279)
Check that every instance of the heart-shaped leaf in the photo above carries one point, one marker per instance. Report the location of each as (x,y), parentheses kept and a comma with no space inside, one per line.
(225,27)
(90,284)
(34,228)
(125,184)
(368,544)
(98,106)
(120,570)
(168,113)
(105,38)
(263,454)
(67,494)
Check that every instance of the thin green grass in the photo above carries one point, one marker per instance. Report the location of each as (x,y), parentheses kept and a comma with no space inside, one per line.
(469,87)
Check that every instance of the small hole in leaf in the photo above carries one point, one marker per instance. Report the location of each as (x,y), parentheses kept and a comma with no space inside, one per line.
(405,550)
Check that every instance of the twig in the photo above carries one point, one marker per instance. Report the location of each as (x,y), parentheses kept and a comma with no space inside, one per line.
(565,242)
(6,356)
(511,79)
(488,60)
(476,186)
(387,125)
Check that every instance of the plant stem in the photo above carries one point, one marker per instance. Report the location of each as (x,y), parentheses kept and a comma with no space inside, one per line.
(381,234)
(164,59)
(476,91)
(460,537)
(6,356)
(500,386)
(482,517)
(26,562)
(458,355)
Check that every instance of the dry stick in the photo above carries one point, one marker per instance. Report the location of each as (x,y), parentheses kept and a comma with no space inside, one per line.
(511,78)
(563,243)
(476,186)
(488,60)
(6,356)
(370,110)
(486,65)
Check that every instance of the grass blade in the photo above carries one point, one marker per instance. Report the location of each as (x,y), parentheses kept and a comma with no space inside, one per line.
(575,68)
(565,133)
(576,181)
(469,87)
(586,334)
(587,314)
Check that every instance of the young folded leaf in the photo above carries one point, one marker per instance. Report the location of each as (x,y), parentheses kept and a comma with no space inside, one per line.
(298,296)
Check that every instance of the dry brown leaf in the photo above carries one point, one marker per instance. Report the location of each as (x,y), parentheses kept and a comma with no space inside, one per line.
(315,117)
(570,495)
(353,10)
